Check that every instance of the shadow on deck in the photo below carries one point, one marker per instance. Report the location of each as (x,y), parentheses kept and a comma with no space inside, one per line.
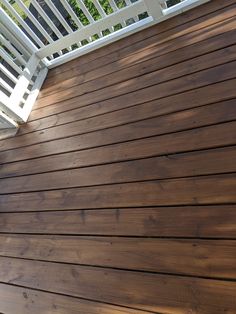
(118,196)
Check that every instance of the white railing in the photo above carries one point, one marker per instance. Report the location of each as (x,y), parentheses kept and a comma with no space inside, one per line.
(22,72)
(39,34)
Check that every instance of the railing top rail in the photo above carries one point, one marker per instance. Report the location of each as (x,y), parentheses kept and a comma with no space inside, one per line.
(46,23)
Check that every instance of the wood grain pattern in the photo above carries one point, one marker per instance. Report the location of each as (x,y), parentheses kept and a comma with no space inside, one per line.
(187,191)
(28,301)
(91,96)
(110,124)
(194,139)
(195,164)
(182,221)
(149,36)
(149,64)
(139,292)
(189,257)
(179,70)
(73,104)
(200,96)
(118,196)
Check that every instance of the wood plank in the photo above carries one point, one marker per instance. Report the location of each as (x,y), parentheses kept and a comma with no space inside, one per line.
(176,52)
(166,89)
(175,293)
(122,198)
(201,96)
(88,90)
(172,166)
(188,191)
(136,65)
(195,139)
(165,74)
(28,301)
(195,163)
(106,123)
(137,40)
(216,221)
(188,257)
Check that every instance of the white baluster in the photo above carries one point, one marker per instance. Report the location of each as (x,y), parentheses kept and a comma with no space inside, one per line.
(154,9)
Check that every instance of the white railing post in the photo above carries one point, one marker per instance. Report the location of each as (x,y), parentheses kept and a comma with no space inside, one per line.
(33,94)
(154,9)
(23,81)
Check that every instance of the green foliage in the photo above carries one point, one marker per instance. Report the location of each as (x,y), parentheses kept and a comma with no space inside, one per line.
(95,14)
(93,10)
(170,3)
(106,6)
(17,9)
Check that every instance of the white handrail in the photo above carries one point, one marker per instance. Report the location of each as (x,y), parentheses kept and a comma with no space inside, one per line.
(134,9)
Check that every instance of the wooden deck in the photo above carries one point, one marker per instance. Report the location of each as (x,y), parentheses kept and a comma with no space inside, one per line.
(119,195)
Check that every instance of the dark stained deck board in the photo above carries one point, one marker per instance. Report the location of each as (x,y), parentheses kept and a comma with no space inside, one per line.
(111,126)
(187,68)
(203,96)
(196,221)
(212,136)
(118,196)
(149,36)
(163,166)
(202,257)
(156,168)
(28,301)
(132,62)
(86,84)
(230,25)
(105,73)
(172,104)
(167,192)
(139,292)
(145,82)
